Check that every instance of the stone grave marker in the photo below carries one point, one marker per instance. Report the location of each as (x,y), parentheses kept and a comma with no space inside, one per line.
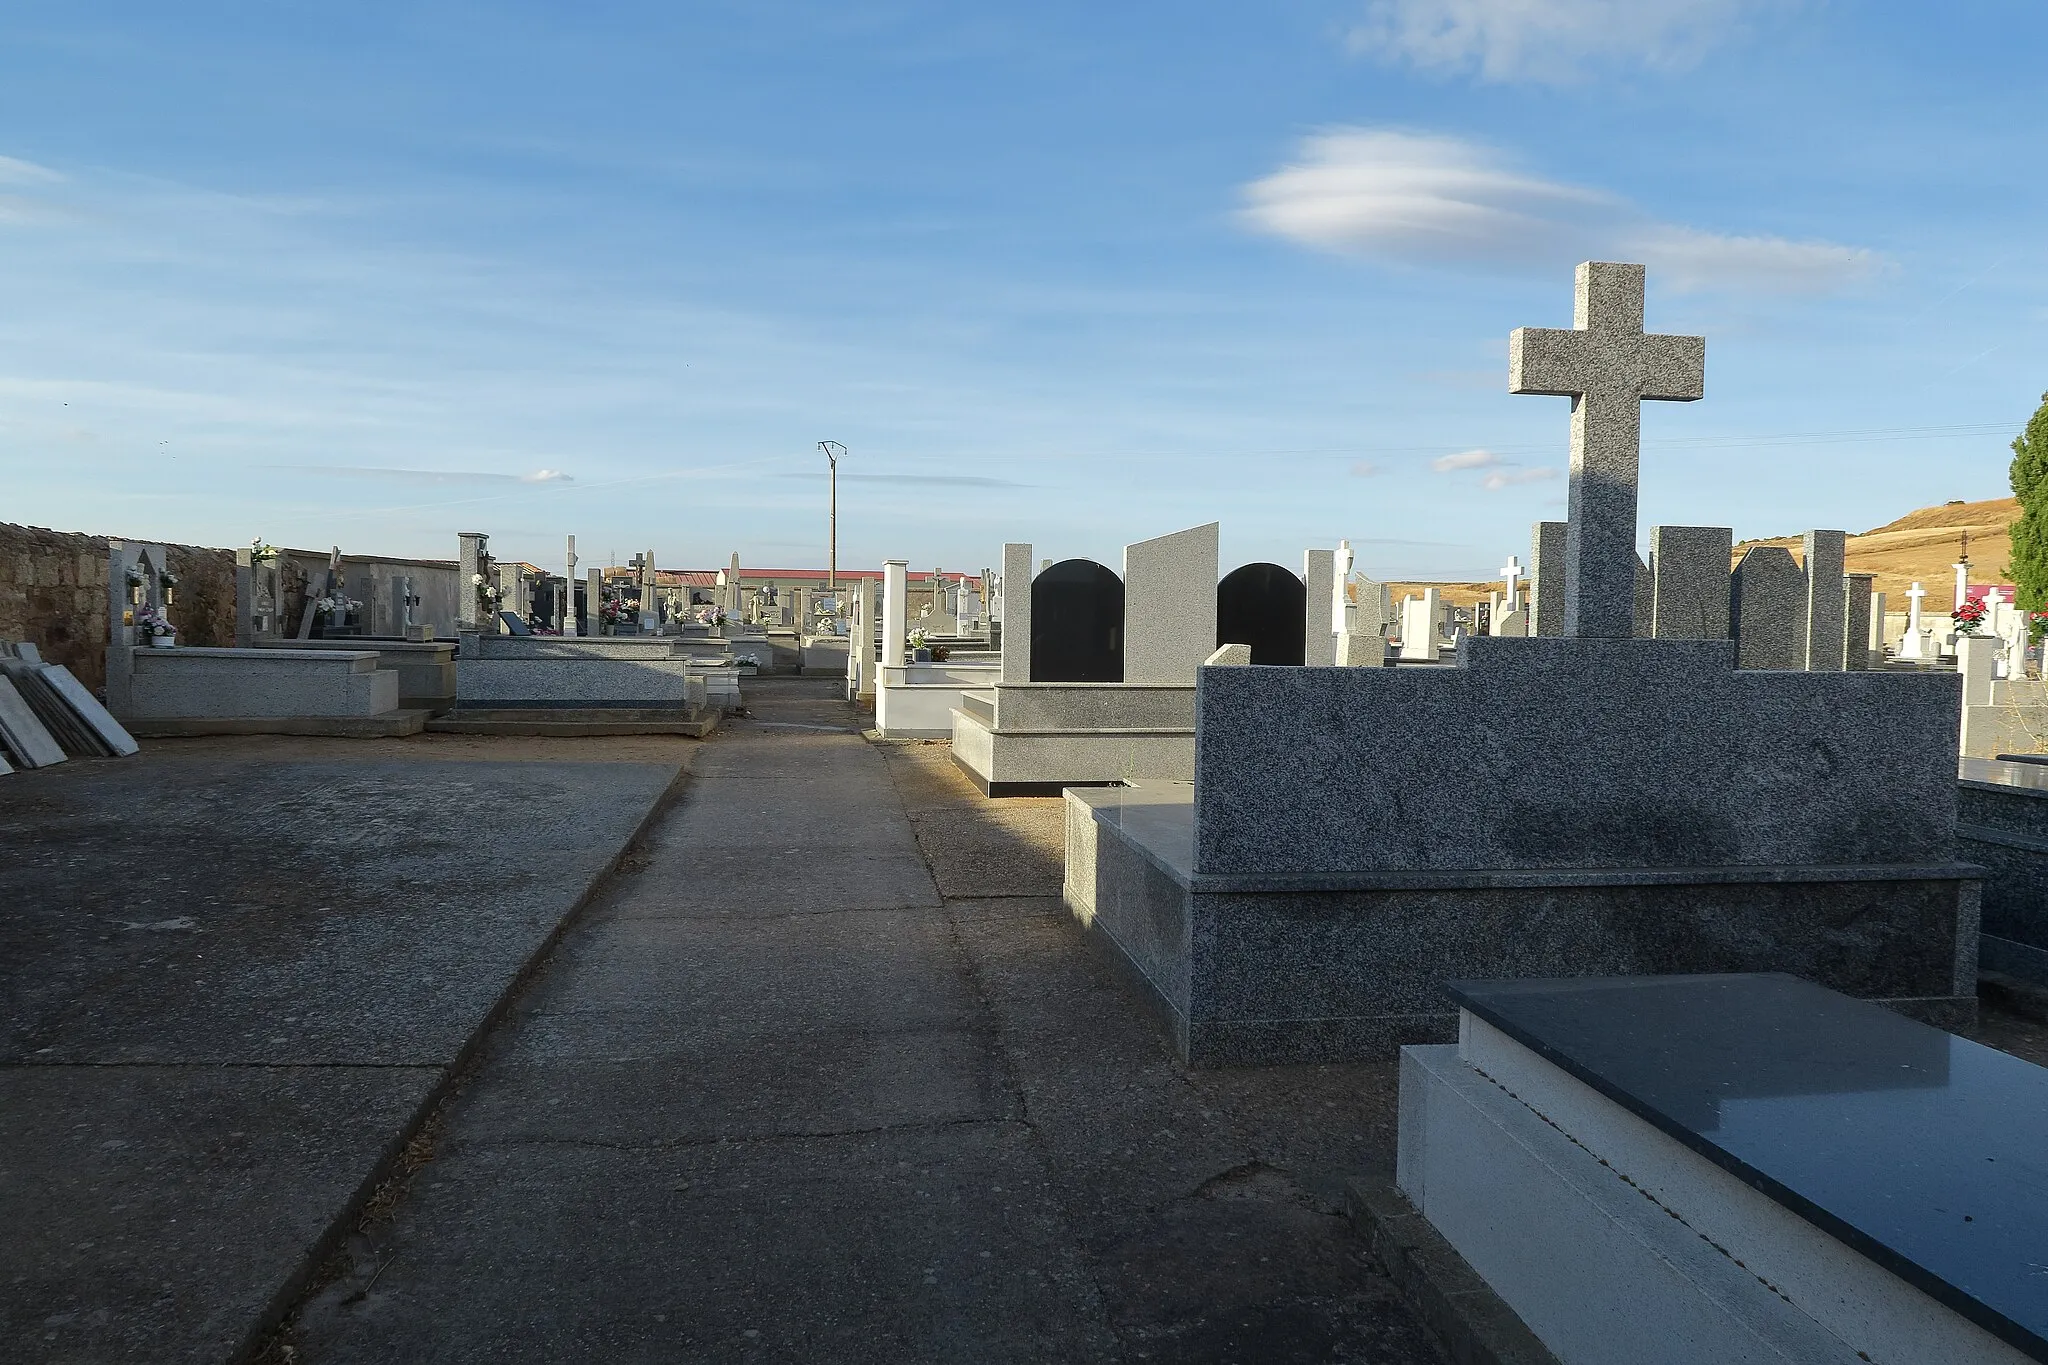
(1169,606)
(1546,579)
(1689,582)
(1825,553)
(1856,601)
(1607,366)
(1077,623)
(1766,609)
(1914,643)
(1318,632)
(1263,606)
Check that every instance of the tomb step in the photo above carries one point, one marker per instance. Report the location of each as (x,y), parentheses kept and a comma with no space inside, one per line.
(384,725)
(582,722)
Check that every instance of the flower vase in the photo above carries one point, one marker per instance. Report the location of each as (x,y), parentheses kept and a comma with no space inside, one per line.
(920,656)
(163,641)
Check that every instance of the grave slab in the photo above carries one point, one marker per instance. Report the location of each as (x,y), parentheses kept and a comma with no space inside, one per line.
(1732,1168)
(230,985)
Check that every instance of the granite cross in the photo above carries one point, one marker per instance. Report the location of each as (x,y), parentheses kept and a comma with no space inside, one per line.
(1511,574)
(1913,596)
(1606,365)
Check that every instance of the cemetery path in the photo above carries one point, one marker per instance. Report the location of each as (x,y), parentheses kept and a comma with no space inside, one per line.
(827,1075)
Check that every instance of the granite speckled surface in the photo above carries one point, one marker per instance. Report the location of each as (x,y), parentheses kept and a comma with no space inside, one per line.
(1826,552)
(1063,708)
(1319,639)
(258,682)
(1766,608)
(2002,823)
(1016,598)
(1689,594)
(1572,754)
(1170,605)
(1546,565)
(1297,975)
(556,681)
(1607,365)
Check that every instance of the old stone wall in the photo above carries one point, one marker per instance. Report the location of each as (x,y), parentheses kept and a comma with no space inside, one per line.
(53,593)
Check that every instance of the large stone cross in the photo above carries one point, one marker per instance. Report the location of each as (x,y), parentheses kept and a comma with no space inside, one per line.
(1606,366)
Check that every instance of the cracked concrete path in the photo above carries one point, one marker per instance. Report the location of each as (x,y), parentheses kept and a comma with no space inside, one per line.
(776,1098)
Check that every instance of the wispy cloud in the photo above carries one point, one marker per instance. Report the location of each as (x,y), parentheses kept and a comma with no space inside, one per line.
(1508,478)
(1431,199)
(430,476)
(1465,459)
(19,200)
(1365,469)
(1500,473)
(1549,41)
(15,171)
(921,480)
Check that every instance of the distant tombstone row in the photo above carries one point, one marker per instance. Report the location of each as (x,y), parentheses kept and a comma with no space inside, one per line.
(1078,619)
(1781,612)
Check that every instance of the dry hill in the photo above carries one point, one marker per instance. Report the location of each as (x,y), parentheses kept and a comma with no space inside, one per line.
(1923,545)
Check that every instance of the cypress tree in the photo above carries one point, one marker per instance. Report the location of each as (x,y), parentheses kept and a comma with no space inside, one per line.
(2030,533)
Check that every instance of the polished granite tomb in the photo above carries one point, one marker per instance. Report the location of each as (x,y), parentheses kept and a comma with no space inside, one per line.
(2002,823)
(1723,1168)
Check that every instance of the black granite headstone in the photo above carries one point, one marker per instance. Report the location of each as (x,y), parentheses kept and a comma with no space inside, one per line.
(513,624)
(1077,623)
(1264,606)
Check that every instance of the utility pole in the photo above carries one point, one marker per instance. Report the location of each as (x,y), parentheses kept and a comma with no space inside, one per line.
(833,450)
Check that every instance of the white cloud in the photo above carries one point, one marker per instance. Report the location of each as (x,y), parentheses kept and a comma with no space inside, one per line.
(1431,199)
(546,476)
(1365,469)
(1414,196)
(1508,478)
(1500,473)
(1465,459)
(1550,41)
(1691,259)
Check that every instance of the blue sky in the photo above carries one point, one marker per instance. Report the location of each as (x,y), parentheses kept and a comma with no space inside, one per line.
(1077,274)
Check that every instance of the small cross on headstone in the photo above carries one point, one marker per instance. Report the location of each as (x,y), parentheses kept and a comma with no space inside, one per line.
(1511,574)
(1606,365)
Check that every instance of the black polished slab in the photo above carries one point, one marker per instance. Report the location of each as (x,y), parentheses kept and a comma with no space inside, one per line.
(1923,1151)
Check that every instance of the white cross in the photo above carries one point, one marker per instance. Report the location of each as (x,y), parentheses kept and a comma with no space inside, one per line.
(1511,573)
(1913,596)
(1606,365)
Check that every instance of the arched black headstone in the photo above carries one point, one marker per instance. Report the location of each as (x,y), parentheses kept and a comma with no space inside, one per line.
(1077,623)
(1264,606)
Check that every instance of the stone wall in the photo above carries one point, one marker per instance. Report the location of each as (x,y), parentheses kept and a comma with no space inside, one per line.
(53,593)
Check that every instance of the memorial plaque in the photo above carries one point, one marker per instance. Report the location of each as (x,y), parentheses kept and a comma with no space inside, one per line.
(1264,606)
(1077,623)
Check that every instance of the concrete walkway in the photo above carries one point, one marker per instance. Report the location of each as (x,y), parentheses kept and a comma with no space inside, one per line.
(233,975)
(776,1098)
